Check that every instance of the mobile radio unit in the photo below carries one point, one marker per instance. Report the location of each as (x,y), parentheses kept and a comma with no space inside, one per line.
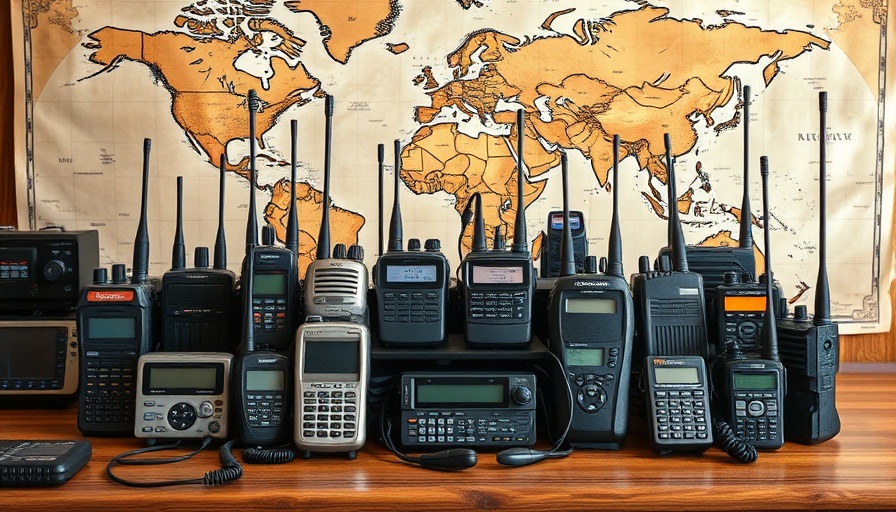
(470,409)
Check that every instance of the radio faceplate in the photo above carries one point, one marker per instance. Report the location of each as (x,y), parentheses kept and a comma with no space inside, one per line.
(183,395)
(38,357)
(481,409)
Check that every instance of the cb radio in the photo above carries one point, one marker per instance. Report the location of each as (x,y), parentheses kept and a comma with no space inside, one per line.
(497,287)
(115,326)
(411,286)
(754,388)
(335,288)
(276,275)
(197,304)
(591,327)
(810,349)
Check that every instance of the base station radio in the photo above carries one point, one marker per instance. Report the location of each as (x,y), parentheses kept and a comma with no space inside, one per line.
(440,409)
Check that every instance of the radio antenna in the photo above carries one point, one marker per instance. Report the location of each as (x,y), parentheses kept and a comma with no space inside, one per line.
(676,237)
(567,259)
(746,217)
(252,223)
(141,240)
(292,219)
(380,157)
(323,237)
(769,327)
(248,334)
(220,241)
(395,231)
(178,252)
(479,243)
(614,249)
(822,288)
(520,241)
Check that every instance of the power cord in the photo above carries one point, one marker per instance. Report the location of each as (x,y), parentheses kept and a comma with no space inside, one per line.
(230,468)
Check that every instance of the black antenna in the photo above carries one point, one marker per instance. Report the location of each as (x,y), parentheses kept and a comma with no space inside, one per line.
(323,237)
(676,237)
(822,289)
(395,231)
(248,334)
(479,243)
(614,249)
(220,241)
(141,240)
(178,252)
(567,259)
(498,240)
(380,156)
(520,242)
(769,327)
(292,219)
(252,223)
(746,217)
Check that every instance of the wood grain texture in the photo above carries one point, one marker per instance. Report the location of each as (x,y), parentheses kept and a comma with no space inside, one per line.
(865,348)
(855,470)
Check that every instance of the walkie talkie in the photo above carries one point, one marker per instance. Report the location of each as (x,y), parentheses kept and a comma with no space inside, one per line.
(412,286)
(275,282)
(197,304)
(335,288)
(810,349)
(754,388)
(591,318)
(739,308)
(115,326)
(670,309)
(550,259)
(497,286)
(713,262)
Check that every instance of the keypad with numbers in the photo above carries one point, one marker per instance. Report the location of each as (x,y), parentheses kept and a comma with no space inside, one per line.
(329,414)
(681,416)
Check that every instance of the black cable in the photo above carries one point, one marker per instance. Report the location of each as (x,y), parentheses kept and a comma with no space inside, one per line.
(272,455)
(230,470)
(736,448)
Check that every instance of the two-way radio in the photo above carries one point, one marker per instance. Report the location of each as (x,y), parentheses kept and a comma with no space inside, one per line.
(197,304)
(670,309)
(739,308)
(275,282)
(550,259)
(591,328)
(335,288)
(497,287)
(115,327)
(412,286)
(754,388)
(810,349)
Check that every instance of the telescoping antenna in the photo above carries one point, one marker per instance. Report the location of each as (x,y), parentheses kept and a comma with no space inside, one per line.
(141,240)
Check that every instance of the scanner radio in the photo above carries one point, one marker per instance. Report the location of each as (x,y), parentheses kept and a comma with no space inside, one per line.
(411,286)
(183,395)
(38,357)
(115,327)
(497,287)
(810,349)
(591,327)
(335,288)
(550,259)
(197,304)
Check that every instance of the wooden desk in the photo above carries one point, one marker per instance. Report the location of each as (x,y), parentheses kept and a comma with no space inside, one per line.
(857,469)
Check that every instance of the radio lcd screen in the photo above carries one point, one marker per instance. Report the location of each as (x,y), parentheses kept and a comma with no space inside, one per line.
(331,357)
(683,375)
(483,274)
(585,357)
(459,393)
(600,306)
(265,380)
(121,328)
(28,353)
(755,381)
(183,377)
(411,274)
(273,283)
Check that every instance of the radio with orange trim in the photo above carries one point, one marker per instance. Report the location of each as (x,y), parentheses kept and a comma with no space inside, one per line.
(739,306)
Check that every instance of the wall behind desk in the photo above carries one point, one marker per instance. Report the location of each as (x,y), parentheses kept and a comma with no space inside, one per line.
(861,348)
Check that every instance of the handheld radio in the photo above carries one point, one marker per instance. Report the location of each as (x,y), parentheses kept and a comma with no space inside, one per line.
(810,349)
(670,309)
(197,304)
(497,287)
(754,388)
(591,327)
(115,326)
(276,280)
(739,308)
(412,286)
(331,375)
(713,262)
(551,257)
(677,395)
(334,287)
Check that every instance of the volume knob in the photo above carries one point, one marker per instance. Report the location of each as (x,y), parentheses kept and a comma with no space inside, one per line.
(54,270)
(521,395)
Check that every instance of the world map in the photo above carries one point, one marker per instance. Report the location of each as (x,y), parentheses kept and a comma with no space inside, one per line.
(450,95)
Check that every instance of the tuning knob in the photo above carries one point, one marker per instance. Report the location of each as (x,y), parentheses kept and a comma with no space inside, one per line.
(521,395)
(54,270)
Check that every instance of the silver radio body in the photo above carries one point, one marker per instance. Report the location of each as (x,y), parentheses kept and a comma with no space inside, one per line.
(38,357)
(183,395)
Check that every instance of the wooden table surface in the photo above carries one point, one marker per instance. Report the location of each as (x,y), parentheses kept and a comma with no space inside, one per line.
(855,470)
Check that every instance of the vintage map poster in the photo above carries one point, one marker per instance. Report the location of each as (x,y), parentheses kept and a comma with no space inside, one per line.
(445,78)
